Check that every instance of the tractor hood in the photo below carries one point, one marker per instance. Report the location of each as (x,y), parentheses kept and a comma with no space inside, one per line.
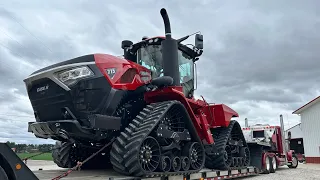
(120,73)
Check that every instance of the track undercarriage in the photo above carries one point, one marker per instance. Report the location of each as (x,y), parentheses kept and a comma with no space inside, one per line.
(157,141)
(160,140)
(230,149)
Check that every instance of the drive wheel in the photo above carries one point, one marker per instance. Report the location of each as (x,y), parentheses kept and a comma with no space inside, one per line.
(267,165)
(149,154)
(273,164)
(294,163)
(3,175)
(196,155)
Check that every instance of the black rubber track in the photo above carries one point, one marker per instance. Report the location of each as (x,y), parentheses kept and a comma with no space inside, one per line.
(61,155)
(125,149)
(221,136)
(3,175)
(67,157)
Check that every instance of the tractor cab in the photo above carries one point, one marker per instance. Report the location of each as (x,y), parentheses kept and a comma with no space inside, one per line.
(148,53)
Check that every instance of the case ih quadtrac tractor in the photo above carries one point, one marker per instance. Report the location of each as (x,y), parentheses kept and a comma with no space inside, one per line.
(145,100)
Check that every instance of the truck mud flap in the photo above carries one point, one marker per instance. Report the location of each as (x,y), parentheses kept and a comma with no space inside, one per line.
(255,155)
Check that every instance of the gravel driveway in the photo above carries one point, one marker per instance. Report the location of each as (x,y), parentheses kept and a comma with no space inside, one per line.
(302,172)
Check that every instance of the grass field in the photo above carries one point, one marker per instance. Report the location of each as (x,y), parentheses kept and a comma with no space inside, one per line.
(45,156)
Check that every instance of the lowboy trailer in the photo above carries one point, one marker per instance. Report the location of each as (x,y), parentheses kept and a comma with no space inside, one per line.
(267,153)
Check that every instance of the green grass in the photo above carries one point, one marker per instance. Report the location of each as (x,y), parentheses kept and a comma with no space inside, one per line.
(45,156)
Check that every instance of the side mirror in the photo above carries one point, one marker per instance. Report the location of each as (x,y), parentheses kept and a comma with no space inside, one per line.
(126,43)
(199,41)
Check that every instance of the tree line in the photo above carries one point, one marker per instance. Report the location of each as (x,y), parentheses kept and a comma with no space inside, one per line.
(25,148)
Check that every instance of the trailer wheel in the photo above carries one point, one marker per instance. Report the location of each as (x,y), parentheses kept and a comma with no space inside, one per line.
(273,164)
(294,163)
(267,165)
(3,175)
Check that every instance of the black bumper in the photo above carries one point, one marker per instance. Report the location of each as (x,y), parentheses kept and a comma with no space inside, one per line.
(101,127)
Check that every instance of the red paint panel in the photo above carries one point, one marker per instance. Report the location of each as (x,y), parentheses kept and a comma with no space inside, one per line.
(279,140)
(175,93)
(105,61)
(219,115)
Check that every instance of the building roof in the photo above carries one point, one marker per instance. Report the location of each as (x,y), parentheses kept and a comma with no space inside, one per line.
(306,106)
(293,127)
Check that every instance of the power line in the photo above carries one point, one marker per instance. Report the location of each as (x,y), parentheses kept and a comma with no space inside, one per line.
(19,43)
(9,49)
(30,33)
(15,115)
(14,120)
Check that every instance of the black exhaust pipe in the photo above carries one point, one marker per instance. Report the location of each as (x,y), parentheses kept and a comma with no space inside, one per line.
(169,52)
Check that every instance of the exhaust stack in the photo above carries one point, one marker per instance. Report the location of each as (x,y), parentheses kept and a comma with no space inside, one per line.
(284,147)
(246,124)
(169,52)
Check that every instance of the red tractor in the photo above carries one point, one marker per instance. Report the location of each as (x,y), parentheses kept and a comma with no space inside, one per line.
(145,100)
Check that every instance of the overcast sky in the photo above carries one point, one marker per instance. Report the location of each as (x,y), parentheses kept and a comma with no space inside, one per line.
(260,57)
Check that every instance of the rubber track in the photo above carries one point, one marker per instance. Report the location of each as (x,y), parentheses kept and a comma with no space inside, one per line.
(61,156)
(125,149)
(221,136)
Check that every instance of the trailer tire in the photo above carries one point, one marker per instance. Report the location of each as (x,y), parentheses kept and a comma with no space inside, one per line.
(294,163)
(3,174)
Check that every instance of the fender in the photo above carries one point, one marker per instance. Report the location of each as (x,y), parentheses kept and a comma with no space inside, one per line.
(175,93)
(289,155)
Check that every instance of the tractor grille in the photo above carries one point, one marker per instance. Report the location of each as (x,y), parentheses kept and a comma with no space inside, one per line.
(49,100)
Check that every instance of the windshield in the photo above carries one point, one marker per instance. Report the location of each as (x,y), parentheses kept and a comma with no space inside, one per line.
(151,58)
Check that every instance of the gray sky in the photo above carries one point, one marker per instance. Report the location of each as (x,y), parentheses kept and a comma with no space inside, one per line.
(261,57)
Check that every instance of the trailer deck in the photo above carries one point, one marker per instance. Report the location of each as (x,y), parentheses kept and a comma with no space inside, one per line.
(112,175)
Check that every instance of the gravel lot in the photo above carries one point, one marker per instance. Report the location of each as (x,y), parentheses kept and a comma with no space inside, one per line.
(303,172)
(50,170)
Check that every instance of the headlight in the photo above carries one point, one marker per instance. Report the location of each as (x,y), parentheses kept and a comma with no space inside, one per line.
(71,76)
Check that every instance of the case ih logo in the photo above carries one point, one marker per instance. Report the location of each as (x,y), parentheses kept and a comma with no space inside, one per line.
(43,88)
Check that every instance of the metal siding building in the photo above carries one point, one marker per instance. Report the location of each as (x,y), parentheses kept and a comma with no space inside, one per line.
(294,137)
(310,124)
(296,132)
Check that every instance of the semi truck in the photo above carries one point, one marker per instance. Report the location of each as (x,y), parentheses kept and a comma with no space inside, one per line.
(267,153)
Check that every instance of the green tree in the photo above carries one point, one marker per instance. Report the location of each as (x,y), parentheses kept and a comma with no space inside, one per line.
(11,144)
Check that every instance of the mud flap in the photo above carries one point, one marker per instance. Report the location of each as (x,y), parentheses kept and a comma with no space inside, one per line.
(255,155)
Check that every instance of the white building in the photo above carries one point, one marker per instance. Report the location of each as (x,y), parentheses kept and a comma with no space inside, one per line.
(310,125)
(295,132)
